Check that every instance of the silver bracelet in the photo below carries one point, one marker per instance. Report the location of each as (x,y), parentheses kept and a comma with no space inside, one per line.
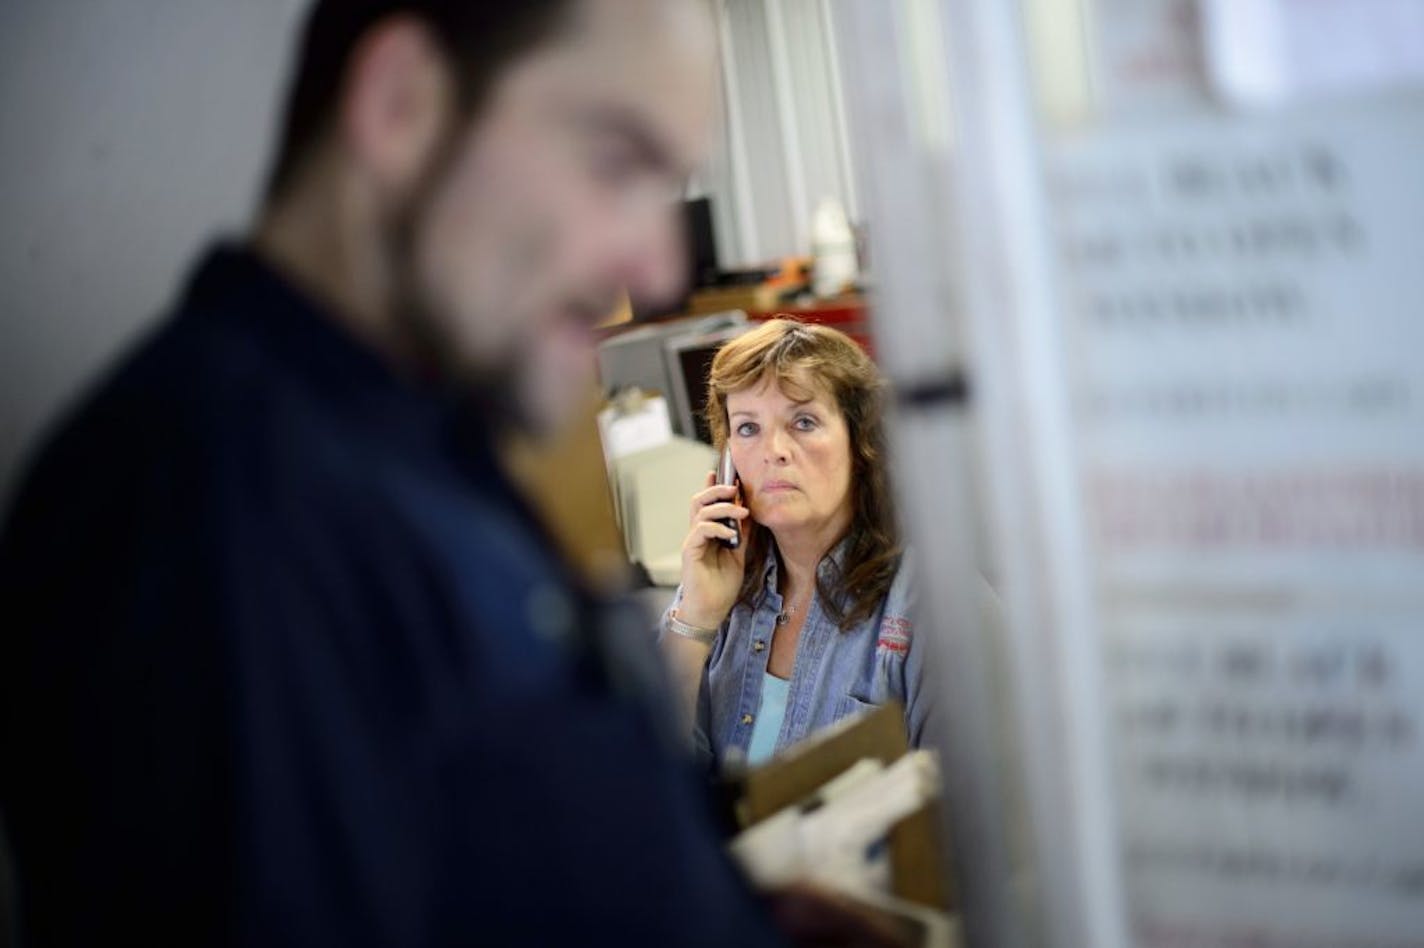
(678,627)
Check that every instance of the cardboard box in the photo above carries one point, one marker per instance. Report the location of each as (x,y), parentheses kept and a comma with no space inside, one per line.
(918,870)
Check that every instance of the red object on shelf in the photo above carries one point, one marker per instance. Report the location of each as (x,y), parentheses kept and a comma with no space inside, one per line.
(849,314)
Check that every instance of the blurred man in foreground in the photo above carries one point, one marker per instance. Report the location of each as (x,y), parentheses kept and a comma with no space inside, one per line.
(286,660)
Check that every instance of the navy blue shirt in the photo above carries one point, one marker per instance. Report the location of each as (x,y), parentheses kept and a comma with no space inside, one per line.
(286,660)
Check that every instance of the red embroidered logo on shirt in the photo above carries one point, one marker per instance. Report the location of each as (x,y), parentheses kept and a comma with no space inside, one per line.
(894,634)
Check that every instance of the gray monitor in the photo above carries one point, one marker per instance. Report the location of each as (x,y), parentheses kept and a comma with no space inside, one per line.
(688,357)
(641,357)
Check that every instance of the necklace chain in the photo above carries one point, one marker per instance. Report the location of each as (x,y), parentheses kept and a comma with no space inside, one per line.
(785,615)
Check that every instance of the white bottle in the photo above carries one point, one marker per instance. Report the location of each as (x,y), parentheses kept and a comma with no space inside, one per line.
(833,248)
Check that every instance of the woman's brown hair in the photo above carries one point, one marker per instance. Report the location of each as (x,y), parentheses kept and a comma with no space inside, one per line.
(794,354)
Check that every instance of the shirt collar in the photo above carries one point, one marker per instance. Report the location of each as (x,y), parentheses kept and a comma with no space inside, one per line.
(830,566)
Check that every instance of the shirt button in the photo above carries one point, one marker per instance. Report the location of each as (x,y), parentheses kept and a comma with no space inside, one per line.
(758,645)
(747,719)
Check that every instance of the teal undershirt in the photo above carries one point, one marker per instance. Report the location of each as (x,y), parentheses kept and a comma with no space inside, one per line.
(769,718)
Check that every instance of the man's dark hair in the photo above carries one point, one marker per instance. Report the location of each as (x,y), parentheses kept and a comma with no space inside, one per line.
(481,38)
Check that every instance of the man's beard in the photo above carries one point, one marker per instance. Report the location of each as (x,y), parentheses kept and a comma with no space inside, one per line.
(500,385)
(498,388)
(491,389)
(497,394)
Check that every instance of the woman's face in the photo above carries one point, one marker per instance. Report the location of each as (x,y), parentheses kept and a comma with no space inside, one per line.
(793,457)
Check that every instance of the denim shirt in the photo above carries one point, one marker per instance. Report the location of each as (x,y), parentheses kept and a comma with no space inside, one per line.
(837,672)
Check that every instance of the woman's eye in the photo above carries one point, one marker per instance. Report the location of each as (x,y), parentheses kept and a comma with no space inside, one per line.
(805,423)
(746,429)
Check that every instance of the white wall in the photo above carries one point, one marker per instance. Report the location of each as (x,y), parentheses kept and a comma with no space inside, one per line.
(786,143)
(131,132)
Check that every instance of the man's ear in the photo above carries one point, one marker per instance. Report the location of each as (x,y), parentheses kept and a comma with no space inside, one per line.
(397,103)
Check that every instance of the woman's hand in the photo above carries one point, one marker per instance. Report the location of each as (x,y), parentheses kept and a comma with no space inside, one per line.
(712,573)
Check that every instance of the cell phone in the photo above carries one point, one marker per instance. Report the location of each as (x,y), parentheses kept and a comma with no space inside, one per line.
(727,474)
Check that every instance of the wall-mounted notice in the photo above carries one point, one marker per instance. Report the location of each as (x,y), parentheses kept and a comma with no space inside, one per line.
(1270,51)
(1148,56)
(1246,302)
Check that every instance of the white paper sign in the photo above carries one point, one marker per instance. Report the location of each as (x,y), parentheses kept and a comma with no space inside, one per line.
(1247,314)
(1270,51)
(1149,56)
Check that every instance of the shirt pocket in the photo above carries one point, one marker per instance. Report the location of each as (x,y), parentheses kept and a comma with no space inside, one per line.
(850,705)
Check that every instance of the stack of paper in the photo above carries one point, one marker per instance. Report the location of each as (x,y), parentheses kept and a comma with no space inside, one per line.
(837,836)
(652,493)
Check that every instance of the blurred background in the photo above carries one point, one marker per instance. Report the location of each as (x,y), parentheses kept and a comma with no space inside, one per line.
(1146,278)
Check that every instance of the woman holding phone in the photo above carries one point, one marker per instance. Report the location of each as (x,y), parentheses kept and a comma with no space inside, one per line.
(793,610)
